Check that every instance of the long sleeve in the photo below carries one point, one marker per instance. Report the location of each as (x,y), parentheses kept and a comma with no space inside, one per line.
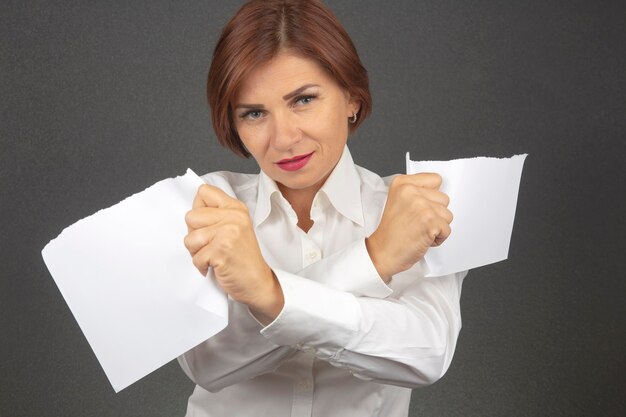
(342,332)
(237,353)
(241,351)
(336,307)
(407,340)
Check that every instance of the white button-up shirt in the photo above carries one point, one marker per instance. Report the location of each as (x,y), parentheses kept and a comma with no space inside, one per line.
(345,344)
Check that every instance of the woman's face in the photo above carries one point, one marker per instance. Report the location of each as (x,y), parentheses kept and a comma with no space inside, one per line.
(293,118)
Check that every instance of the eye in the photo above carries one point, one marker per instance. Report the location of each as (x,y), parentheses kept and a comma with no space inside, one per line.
(303,100)
(252,115)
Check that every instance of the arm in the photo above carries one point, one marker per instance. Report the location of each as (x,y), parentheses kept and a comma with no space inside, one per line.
(407,341)
(240,351)
(334,320)
(421,320)
(237,353)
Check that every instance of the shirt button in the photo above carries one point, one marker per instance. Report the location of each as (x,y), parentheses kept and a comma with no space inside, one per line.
(312,255)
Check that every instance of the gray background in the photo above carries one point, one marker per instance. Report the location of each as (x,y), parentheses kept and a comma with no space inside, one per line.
(101,99)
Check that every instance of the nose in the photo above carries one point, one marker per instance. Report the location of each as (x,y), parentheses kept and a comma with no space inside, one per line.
(286,131)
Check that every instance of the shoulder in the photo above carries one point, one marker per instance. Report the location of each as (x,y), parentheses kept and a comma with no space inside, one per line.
(236,184)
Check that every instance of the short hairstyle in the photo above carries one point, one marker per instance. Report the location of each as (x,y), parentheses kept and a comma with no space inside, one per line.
(257,33)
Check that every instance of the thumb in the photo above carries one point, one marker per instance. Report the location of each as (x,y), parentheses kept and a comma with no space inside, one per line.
(210,196)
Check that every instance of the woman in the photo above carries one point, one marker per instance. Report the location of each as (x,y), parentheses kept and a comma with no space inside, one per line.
(330,314)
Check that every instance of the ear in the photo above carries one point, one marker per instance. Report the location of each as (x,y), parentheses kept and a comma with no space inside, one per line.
(354,106)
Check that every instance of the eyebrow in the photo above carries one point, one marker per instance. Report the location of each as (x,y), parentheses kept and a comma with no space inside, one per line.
(298,91)
(285,97)
(249,106)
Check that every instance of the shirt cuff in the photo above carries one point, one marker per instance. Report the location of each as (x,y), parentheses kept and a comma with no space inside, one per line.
(314,316)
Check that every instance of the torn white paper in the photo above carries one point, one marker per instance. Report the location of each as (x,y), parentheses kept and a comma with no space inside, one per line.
(130,283)
(483,196)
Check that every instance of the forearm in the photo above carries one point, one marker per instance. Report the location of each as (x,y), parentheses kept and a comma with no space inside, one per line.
(421,330)
(240,352)
(407,341)
(237,353)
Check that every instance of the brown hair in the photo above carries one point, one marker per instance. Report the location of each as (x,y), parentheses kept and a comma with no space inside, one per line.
(261,29)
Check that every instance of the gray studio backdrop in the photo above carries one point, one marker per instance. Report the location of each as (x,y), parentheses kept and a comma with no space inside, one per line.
(101,99)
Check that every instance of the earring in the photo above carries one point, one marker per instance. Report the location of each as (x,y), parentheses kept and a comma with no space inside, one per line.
(352,119)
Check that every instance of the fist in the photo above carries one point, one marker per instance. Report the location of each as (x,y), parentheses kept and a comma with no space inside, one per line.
(221,236)
(415,219)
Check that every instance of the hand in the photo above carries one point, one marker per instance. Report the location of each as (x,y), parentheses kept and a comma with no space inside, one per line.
(221,236)
(415,218)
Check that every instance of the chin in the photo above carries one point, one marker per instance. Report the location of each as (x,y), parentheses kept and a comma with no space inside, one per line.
(297,185)
(300,183)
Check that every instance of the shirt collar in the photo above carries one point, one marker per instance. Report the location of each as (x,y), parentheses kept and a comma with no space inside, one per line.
(267,188)
(342,188)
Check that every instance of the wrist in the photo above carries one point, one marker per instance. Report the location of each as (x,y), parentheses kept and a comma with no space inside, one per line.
(378,258)
(270,300)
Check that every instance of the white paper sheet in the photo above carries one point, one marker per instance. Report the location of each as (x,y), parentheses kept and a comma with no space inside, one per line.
(131,285)
(483,196)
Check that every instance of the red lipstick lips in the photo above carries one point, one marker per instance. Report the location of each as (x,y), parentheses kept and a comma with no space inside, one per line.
(295,163)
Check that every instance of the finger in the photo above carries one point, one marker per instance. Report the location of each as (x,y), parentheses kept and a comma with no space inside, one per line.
(434,196)
(210,196)
(444,214)
(425,179)
(199,238)
(209,256)
(202,259)
(444,233)
(204,216)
